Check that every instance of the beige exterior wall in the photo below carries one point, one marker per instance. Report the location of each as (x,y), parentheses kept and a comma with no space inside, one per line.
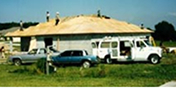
(64,42)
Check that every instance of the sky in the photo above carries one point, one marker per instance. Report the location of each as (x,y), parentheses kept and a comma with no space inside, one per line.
(147,12)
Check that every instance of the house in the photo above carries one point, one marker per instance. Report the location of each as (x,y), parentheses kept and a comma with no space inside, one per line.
(75,32)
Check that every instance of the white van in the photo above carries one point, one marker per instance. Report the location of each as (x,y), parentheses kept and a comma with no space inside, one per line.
(112,49)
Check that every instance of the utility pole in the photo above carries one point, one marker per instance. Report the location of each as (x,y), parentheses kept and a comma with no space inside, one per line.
(48,60)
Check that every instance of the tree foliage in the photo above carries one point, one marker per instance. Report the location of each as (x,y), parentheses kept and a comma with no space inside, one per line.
(164,31)
(15,24)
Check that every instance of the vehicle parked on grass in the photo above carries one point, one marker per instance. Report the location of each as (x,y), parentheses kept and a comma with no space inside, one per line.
(32,56)
(111,49)
(172,50)
(75,57)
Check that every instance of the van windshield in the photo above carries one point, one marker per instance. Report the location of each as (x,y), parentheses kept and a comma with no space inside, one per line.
(147,42)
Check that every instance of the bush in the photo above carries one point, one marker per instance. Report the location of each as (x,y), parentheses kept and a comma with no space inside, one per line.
(41,66)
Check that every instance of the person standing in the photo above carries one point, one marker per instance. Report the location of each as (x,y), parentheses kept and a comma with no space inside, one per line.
(2,52)
(21,25)
(57,18)
(47,16)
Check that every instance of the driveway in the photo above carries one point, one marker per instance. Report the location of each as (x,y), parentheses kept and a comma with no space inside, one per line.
(169,84)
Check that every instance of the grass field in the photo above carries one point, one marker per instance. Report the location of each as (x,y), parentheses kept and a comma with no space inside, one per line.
(115,75)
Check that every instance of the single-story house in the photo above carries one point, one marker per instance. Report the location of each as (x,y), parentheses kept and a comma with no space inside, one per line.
(75,32)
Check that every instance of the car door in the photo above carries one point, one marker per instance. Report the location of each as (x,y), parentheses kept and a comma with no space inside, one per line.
(63,58)
(34,55)
(40,54)
(30,56)
(76,57)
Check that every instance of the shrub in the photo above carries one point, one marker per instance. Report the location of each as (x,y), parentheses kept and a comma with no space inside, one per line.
(41,66)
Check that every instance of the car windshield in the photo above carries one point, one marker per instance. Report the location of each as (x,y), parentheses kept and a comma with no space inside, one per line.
(147,42)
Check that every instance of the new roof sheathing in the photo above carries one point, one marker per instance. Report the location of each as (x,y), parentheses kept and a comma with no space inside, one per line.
(80,25)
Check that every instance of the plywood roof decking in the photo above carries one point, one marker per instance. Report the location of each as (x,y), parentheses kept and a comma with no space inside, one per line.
(80,25)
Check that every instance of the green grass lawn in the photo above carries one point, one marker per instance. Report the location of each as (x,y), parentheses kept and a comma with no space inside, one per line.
(114,75)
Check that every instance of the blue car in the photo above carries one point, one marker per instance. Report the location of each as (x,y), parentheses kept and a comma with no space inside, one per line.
(75,57)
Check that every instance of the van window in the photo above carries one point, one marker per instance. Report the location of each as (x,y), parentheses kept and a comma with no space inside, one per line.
(140,44)
(105,44)
(114,45)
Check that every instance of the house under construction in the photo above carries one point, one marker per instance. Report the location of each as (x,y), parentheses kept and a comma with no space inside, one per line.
(75,32)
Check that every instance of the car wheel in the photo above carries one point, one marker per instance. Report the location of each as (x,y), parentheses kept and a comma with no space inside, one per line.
(17,62)
(108,60)
(86,64)
(154,59)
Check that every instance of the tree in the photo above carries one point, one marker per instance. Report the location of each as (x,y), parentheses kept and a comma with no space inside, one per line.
(15,24)
(164,31)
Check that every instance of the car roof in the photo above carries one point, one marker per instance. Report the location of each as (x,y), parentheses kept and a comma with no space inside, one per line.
(74,50)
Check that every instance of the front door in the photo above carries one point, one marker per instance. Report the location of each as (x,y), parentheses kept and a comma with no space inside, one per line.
(140,50)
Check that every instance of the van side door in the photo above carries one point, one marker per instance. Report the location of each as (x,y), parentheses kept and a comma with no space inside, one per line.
(114,49)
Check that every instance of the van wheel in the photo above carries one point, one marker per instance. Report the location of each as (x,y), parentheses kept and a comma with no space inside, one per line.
(17,62)
(154,59)
(108,60)
(86,64)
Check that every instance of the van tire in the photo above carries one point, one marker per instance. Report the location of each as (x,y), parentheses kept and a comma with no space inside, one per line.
(108,60)
(154,59)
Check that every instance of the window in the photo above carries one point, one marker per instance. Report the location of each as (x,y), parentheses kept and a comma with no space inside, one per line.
(66,53)
(77,53)
(114,44)
(105,44)
(140,44)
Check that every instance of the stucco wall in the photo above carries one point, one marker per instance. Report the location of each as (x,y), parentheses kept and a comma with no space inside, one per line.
(64,42)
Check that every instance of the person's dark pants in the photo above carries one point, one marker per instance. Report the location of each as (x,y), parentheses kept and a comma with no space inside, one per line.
(47,19)
(57,21)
